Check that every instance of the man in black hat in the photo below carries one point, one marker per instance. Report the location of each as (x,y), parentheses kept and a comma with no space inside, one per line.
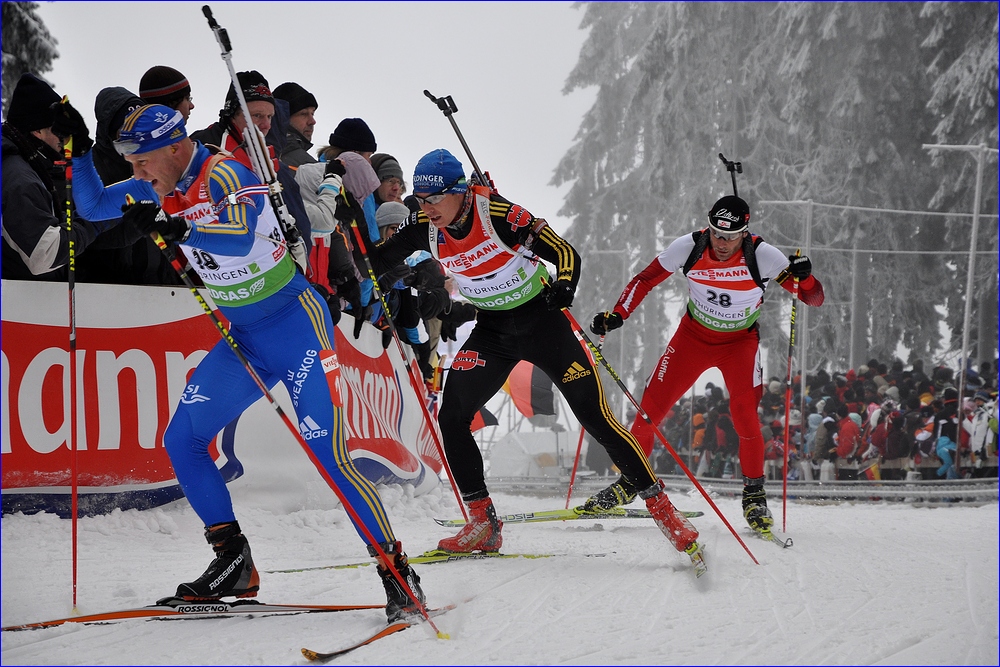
(165,85)
(227,134)
(35,237)
(302,107)
(727,270)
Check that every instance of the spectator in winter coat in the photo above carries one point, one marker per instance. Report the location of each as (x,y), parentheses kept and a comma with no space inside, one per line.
(772,403)
(982,434)
(35,237)
(352,135)
(302,107)
(848,433)
(946,427)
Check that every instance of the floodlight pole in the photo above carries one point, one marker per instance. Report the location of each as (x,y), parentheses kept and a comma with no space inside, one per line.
(980,153)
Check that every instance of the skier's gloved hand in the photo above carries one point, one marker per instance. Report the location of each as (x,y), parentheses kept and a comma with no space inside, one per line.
(449,331)
(799,266)
(605,322)
(559,295)
(148,217)
(69,123)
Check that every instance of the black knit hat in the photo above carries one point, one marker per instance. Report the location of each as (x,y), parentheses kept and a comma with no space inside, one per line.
(163,85)
(255,89)
(353,134)
(30,104)
(298,98)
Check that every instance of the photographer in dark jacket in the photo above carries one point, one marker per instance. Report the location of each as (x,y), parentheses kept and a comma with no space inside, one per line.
(35,237)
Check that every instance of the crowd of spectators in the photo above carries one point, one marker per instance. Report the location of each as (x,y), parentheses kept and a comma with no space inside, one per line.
(37,191)
(878,421)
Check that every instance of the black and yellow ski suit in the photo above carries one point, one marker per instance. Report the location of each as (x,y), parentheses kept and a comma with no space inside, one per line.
(494,259)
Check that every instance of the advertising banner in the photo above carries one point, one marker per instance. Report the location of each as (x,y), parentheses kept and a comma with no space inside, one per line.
(136,347)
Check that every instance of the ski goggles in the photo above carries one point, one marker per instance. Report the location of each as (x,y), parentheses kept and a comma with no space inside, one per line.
(437,197)
(726,236)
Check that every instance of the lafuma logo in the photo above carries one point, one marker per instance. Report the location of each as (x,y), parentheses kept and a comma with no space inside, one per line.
(310,429)
(575,372)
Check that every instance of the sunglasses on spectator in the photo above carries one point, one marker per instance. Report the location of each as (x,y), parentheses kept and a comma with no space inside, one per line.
(437,197)
(727,236)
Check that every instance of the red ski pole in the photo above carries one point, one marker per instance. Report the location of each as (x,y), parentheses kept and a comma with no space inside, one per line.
(589,345)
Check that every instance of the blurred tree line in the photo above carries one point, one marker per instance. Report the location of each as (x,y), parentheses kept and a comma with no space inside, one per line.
(829,102)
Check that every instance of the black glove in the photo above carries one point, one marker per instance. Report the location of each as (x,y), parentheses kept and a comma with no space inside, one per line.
(347,207)
(559,295)
(148,217)
(394,275)
(426,276)
(334,168)
(432,302)
(460,312)
(350,292)
(449,331)
(605,322)
(332,301)
(69,123)
(799,266)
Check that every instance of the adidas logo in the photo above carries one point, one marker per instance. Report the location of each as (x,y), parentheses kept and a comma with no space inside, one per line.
(310,429)
(575,372)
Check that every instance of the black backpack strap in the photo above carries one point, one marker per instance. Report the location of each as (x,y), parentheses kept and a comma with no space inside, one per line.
(750,243)
(700,243)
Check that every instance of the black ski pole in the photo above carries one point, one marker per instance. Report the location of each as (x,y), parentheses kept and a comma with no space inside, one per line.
(448,108)
(256,149)
(733,168)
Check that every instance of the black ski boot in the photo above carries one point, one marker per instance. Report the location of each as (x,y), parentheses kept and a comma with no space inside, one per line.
(399,605)
(621,492)
(755,505)
(231,573)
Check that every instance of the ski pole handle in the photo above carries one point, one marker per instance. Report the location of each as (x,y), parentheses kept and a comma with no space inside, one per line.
(448,108)
(733,168)
(220,32)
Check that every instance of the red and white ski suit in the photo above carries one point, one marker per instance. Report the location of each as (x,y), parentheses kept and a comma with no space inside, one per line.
(719,330)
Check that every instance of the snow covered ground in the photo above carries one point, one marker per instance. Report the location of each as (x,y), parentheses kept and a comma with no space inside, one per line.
(864,584)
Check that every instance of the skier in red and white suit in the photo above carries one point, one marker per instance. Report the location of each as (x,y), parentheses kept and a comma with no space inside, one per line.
(719,330)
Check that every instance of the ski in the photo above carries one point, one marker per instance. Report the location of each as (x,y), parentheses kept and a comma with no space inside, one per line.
(769,536)
(566,515)
(431,557)
(174,608)
(391,629)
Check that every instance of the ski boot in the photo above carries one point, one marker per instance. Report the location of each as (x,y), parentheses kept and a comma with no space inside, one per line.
(671,521)
(232,573)
(399,605)
(755,506)
(620,493)
(481,533)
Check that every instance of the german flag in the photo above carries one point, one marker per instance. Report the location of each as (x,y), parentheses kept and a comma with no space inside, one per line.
(483,419)
(531,390)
